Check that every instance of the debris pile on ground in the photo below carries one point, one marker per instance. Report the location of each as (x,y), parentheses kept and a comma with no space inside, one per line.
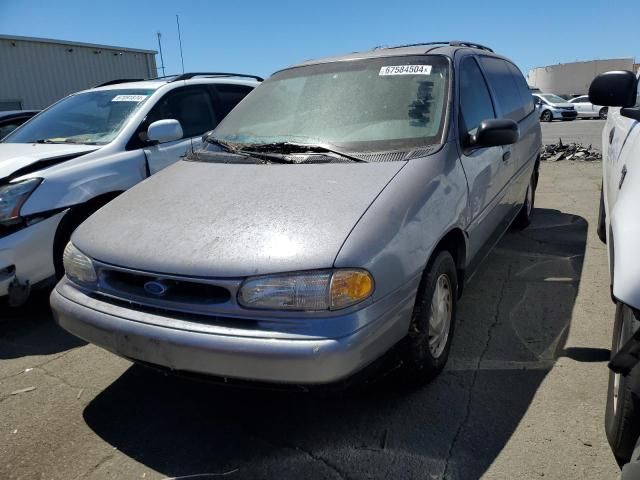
(571,151)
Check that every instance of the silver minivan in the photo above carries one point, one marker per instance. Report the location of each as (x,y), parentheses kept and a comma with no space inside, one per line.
(334,216)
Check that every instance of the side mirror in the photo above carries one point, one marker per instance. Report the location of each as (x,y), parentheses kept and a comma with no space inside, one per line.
(614,89)
(164,131)
(495,132)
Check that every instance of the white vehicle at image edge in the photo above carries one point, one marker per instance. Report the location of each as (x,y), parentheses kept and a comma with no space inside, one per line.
(552,107)
(83,151)
(619,228)
(586,109)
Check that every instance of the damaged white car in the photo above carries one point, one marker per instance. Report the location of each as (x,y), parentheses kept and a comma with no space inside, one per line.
(83,151)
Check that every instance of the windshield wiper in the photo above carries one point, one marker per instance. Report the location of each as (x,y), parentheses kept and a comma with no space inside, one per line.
(66,141)
(227,146)
(293,147)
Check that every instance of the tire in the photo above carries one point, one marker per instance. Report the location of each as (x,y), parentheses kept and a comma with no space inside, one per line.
(622,416)
(602,219)
(68,224)
(523,220)
(602,114)
(546,116)
(422,358)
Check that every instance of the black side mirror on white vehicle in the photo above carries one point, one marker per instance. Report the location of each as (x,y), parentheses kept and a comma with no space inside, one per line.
(495,132)
(614,89)
(164,131)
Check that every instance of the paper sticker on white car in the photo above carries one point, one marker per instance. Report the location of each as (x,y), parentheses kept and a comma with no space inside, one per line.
(405,70)
(129,98)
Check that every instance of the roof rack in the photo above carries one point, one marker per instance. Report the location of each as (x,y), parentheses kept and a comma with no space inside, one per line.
(119,80)
(187,76)
(457,43)
(452,43)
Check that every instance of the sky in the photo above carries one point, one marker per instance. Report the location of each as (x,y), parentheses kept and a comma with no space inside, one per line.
(260,37)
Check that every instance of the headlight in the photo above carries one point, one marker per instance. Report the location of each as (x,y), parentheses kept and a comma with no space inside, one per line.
(13,196)
(314,290)
(78,267)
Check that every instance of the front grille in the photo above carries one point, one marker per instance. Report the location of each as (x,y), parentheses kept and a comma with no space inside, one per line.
(126,285)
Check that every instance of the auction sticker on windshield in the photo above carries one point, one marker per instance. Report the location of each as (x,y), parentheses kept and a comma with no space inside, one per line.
(129,98)
(405,70)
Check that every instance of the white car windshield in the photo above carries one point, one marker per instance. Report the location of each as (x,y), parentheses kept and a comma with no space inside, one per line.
(553,98)
(90,118)
(362,105)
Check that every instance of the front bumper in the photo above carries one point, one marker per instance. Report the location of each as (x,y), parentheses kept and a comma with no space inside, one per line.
(230,352)
(27,255)
(565,114)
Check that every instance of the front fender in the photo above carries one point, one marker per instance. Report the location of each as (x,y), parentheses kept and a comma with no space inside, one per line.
(79,181)
(625,254)
(398,233)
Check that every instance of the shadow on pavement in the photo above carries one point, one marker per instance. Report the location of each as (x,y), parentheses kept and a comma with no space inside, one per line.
(30,330)
(512,326)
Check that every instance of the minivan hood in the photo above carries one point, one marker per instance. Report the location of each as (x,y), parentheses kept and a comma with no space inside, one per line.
(15,157)
(234,220)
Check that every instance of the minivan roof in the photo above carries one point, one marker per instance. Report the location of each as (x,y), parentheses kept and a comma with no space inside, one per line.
(441,48)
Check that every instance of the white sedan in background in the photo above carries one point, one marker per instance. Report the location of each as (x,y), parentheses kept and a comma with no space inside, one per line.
(586,109)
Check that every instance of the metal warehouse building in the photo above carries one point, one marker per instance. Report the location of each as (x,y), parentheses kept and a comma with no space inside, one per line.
(35,72)
(574,78)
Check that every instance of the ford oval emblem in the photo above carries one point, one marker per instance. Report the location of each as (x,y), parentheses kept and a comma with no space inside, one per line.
(155,287)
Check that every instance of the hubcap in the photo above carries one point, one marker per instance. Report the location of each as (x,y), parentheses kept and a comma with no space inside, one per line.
(440,316)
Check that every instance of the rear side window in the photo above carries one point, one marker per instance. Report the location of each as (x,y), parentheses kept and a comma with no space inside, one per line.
(229,96)
(475,101)
(509,86)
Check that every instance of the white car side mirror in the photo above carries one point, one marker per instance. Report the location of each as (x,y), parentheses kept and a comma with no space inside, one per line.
(164,131)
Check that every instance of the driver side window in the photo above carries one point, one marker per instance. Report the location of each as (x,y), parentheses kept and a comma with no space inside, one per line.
(191,106)
(475,101)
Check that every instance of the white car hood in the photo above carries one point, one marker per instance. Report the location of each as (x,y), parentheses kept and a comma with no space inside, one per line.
(562,105)
(15,157)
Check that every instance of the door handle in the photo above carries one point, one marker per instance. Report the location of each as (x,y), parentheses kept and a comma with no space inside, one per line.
(506,156)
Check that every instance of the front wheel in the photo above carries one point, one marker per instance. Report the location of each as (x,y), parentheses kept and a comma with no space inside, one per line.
(546,116)
(622,416)
(602,219)
(602,114)
(426,347)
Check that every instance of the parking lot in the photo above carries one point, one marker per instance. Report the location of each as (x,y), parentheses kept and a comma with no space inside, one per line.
(522,396)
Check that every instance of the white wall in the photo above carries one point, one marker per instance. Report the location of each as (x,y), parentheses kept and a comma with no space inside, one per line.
(573,78)
(37,73)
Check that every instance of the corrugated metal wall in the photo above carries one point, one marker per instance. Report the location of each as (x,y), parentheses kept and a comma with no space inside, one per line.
(573,78)
(38,73)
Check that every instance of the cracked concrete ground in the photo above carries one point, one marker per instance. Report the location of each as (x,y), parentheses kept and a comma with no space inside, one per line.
(522,396)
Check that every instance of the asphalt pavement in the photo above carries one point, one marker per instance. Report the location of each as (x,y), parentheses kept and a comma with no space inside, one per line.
(587,132)
(522,397)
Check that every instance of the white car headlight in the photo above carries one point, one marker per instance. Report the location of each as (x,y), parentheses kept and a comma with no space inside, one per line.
(13,196)
(78,267)
(313,290)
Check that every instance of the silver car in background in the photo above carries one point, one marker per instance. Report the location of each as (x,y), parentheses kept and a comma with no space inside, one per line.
(586,109)
(332,218)
(551,107)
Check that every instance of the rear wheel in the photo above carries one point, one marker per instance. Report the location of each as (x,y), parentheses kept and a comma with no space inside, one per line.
(602,114)
(523,220)
(426,347)
(622,416)
(546,116)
